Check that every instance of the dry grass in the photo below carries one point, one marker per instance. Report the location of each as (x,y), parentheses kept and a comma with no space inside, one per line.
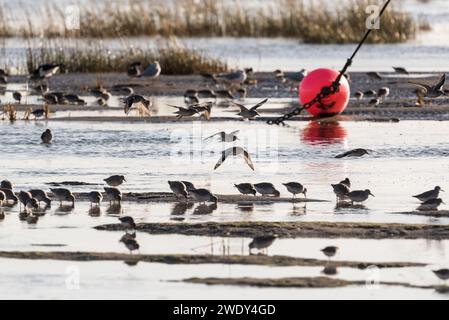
(10,112)
(174,59)
(312,23)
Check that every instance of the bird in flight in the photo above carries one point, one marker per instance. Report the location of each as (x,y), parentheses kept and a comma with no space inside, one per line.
(235,151)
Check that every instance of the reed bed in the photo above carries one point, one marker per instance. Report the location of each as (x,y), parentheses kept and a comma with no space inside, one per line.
(311,21)
(175,59)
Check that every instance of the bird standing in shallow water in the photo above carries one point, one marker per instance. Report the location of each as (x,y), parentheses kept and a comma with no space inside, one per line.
(235,151)
(341,190)
(128,223)
(115,181)
(428,195)
(246,188)
(114,195)
(41,196)
(139,103)
(10,196)
(203,195)
(179,189)
(62,194)
(267,189)
(47,136)
(96,198)
(27,200)
(296,188)
(359,196)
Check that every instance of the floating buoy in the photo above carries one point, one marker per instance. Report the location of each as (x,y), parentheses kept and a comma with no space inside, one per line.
(312,85)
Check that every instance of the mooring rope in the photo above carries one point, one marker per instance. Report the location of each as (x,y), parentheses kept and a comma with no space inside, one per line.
(335,86)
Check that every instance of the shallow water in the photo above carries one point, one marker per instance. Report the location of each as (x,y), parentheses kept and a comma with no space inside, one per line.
(403,163)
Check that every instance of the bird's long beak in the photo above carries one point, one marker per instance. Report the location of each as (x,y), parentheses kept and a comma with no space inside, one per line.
(372,195)
(442,190)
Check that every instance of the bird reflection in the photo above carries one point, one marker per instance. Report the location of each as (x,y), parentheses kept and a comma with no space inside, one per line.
(94,211)
(114,209)
(131,263)
(63,210)
(299,210)
(245,207)
(348,205)
(180,208)
(330,270)
(204,209)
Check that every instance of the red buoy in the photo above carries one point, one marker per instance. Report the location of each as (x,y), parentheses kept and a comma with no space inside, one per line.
(312,85)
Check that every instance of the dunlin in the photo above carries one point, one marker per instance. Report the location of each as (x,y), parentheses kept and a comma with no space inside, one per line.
(246,188)
(95,197)
(433,91)
(341,191)
(346,182)
(359,196)
(428,195)
(296,188)
(330,251)
(225,137)
(189,185)
(134,70)
(27,200)
(62,195)
(370,93)
(235,151)
(114,195)
(45,71)
(179,189)
(374,102)
(184,112)
(401,70)
(38,113)
(115,181)
(262,242)
(41,196)
(383,92)
(47,136)
(251,113)
(203,195)
(2,198)
(17,96)
(138,102)
(442,274)
(267,189)
(10,196)
(354,153)
(128,223)
(374,75)
(6,184)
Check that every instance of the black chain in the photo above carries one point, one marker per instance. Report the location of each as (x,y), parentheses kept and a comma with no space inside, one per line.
(328,90)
